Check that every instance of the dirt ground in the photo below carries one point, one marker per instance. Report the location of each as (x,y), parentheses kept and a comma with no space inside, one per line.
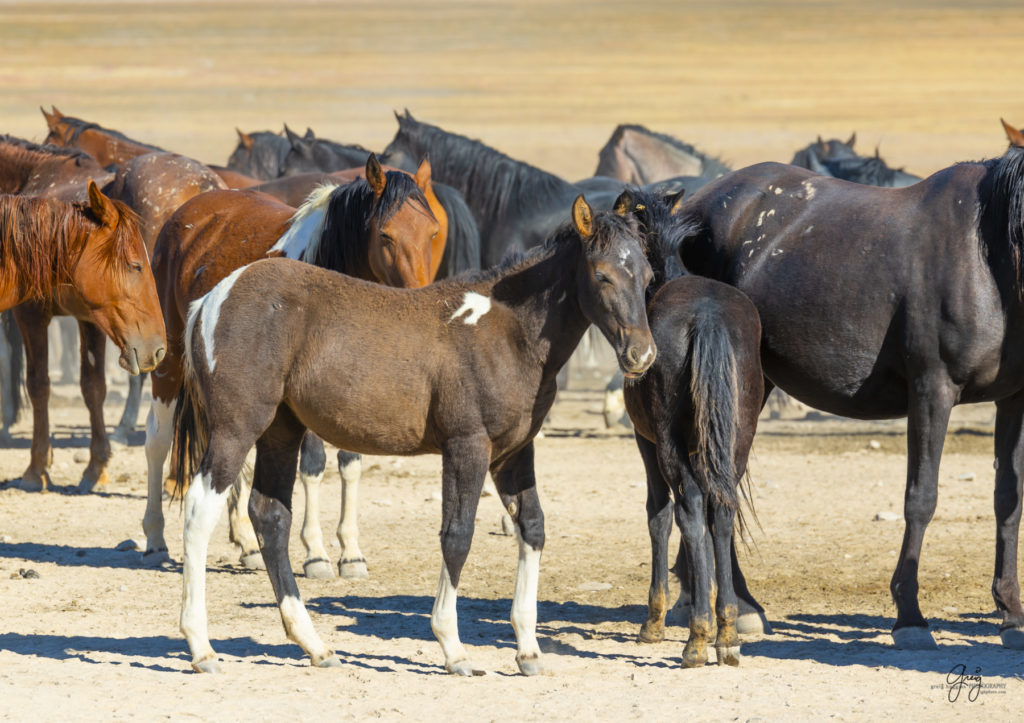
(95,636)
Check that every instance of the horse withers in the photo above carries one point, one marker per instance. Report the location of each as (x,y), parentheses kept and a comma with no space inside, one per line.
(464,368)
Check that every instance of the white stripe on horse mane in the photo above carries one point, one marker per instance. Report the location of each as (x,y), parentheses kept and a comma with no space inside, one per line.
(302,239)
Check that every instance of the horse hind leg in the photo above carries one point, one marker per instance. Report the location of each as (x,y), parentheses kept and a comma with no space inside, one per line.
(130,415)
(1009,443)
(659,526)
(159,434)
(727,642)
(240,529)
(352,564)
(270,511)
(312,462)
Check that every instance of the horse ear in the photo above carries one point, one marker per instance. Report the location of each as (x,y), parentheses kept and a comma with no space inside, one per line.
(583,217)
(101,206)
(819,140)
(422,176)
(375,175)
(624,203)
(51,118)
(309,134)
(853,139)
(245,139)
(1013,135)
(675,203)
(292,136)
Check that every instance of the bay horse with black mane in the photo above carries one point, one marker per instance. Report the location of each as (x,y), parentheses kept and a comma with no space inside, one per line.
(378,228)
(694,415)
(464,368)
(879,303)
(91,258)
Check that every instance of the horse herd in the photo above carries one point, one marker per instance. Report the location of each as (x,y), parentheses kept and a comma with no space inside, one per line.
(466,280)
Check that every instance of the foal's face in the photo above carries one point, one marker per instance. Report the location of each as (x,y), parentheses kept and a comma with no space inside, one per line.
(612,280)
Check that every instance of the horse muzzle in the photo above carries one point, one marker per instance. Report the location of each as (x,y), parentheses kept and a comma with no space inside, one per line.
(637,359)
(138,359)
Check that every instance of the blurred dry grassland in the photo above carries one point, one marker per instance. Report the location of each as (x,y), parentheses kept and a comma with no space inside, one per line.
(543,81)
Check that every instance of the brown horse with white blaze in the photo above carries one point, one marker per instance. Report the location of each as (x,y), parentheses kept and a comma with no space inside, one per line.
(464,368)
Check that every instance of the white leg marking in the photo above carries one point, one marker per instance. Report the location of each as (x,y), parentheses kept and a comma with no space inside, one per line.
(299,629)
(312,536)
(203,508)
(474,305)
(348,527)
(444,621)
(524,601)
(159,435)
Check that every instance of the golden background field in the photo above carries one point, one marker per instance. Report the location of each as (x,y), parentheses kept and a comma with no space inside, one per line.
(545,82)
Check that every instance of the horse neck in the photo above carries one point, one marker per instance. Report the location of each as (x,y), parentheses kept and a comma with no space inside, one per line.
(543,297)
(15,168)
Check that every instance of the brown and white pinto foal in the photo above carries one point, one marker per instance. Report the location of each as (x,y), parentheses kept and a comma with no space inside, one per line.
(464,368)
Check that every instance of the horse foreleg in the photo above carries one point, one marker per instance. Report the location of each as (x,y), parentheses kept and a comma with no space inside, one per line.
(352,564)
(33,320)
(1009,441)
(659,525)
(930,403)
(312,462)
(159,435)
(269,509)
(464,466)
(130,415)
(240,530)
(94,392)
(517,485)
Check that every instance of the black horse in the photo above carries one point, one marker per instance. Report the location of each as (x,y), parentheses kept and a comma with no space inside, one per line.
(694,414)
(308,153)
(516,205)
(838,159)
(259,154)
(880,303)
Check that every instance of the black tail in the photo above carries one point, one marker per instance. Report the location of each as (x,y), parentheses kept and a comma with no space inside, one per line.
(462,249)
(11,381)
(714,391)
(190,427)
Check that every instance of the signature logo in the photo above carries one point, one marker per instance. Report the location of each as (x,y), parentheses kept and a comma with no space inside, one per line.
(958,678)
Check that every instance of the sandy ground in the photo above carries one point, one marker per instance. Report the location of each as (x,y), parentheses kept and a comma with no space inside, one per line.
(95,636)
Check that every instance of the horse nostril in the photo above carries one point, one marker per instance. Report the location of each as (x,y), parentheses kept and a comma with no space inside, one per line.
(159,355)
(633,355)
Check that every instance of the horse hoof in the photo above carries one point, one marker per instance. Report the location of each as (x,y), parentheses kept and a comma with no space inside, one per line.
(318,569)
(464,668)
(30,484)
(119,437)
(651,634)
(252,561)
(156,558)
(1013,638)
(728,655)
(530,665)
(209,665)
(913,638)
(331,661)
(353,569)
(753,624)
(694,659)
(88,483)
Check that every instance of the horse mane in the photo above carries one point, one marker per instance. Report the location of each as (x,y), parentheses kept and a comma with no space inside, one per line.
(497,186)
(77,126)
(42,238)
(869,170)
(1001,200)
(343,244)
(462,248)
(45,149)
(710,165)
(306,224)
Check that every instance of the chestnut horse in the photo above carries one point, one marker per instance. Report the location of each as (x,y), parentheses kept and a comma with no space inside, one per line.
(377,228)
(464,368)
(91,258)
(108,147)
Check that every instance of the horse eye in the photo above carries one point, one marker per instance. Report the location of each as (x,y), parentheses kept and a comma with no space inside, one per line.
(136,266)
(601,278)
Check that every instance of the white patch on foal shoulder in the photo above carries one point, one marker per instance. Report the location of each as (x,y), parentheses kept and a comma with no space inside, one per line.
(475,304)
(302,239)
(209,305)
